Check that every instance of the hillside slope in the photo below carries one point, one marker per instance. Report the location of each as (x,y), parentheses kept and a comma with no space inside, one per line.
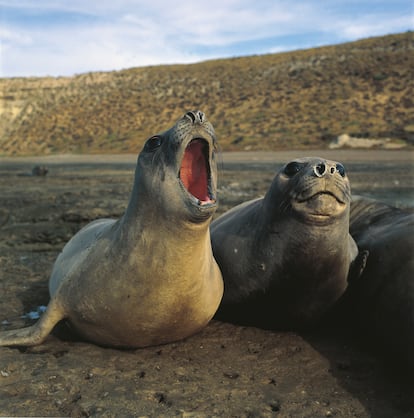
(300,99)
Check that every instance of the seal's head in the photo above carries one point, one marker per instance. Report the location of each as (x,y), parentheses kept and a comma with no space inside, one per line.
(312,189)
(178,169)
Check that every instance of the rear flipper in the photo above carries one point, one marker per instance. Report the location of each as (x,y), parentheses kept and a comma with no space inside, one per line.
(36,333)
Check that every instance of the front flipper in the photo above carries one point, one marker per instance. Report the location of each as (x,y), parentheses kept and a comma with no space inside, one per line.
(358,266)
(36,333)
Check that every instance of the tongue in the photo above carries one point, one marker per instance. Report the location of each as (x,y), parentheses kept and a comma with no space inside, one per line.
(193,172)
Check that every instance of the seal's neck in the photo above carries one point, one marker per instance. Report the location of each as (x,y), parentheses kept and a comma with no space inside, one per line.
(160,205)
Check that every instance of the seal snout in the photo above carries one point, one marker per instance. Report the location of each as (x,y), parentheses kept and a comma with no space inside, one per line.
(319,188)
(323,168)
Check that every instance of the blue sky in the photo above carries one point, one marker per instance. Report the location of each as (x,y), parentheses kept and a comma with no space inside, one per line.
(60,37)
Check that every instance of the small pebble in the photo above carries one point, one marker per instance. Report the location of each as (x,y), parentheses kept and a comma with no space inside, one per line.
(35,314)
(231,375)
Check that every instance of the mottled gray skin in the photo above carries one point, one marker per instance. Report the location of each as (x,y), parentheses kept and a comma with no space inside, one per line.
(150,277)
(381,302)
(285,258)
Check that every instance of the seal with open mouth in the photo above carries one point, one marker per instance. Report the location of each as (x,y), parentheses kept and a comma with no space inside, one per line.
(150,277)
(285,258)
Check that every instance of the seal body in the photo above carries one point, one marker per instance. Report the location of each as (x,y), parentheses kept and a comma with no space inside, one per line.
(285,258)
(149,277)
(381,302)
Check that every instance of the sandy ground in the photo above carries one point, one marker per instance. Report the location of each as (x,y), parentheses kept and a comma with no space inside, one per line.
(225,370)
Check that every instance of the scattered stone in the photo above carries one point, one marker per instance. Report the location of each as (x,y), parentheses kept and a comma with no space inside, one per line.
(275,406)
(40,171)
(37,171)
(348,141)
(231,375)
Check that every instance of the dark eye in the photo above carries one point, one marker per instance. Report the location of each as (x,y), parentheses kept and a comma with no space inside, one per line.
(292,168)
(153,143)
(340,169)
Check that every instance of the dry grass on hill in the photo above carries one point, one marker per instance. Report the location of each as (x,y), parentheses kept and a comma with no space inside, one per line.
(300,99)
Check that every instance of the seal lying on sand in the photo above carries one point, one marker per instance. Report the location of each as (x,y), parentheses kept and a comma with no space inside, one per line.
(149,277)
(381,301)
(285,258)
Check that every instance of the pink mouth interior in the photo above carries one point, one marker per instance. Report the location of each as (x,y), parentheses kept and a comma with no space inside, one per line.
(194,171)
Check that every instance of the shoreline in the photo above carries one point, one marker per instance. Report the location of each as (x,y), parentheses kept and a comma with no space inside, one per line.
(231,157)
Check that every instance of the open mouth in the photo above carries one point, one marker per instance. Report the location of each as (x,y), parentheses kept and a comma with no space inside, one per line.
(195,171)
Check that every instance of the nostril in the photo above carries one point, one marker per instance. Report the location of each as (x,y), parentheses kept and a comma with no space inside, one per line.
(319,169)
(191,115)
(333,169)
(200,116)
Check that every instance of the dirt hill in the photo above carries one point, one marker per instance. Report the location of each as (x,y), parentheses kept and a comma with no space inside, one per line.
(301,99)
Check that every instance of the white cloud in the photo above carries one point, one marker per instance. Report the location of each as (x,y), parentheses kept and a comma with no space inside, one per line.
(9,36)
(106,35)
(370,26)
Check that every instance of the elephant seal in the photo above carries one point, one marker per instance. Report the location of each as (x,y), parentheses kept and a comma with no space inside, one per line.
(150,277)
(381,302)
(285,258)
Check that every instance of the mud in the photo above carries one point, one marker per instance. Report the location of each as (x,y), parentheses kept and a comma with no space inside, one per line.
(225,370)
